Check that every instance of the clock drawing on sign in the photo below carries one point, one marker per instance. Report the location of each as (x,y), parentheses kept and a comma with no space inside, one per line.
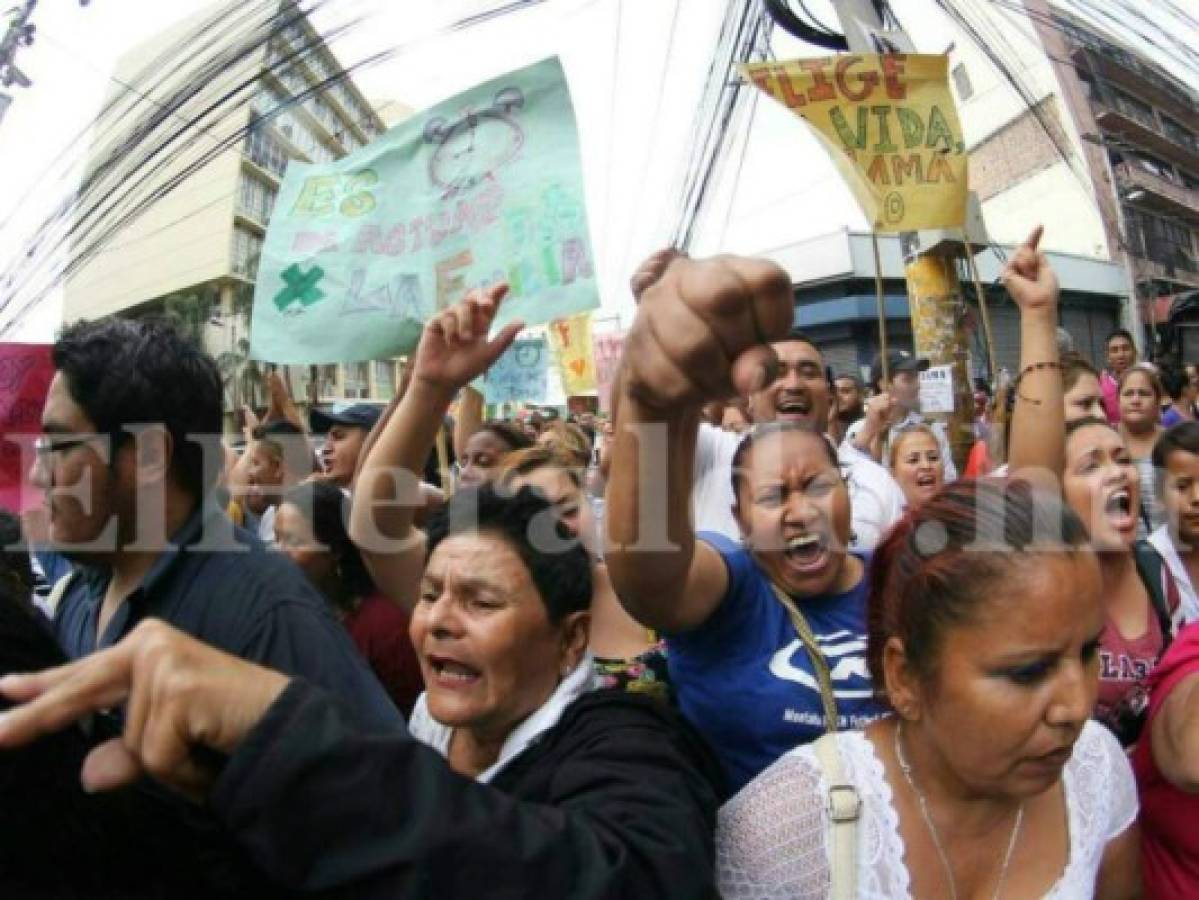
(470,149)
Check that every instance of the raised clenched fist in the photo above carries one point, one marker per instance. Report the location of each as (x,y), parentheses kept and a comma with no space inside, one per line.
(703,328)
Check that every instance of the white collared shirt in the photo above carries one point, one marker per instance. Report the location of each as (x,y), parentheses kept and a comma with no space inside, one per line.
(581,680)
(1163,543)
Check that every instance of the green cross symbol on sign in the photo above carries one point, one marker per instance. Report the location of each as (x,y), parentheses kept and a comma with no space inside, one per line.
(301,286)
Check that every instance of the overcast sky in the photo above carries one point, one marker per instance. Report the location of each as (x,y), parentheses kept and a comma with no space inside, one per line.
(634,90)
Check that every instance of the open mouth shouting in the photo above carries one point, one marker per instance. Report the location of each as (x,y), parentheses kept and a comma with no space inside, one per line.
(806,554)
(450,673)
(793,408)
(1118,511)
(926,479)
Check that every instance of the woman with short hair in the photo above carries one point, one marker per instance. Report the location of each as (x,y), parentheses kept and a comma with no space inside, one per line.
(627,655)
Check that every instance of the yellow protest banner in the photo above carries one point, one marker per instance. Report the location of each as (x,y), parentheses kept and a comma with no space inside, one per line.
(571,340)
(889,124)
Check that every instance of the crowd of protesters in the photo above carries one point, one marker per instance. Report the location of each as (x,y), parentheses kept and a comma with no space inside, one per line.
(749,634)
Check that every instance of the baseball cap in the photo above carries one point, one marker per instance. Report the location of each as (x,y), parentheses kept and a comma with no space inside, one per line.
(897,361)
(353,415)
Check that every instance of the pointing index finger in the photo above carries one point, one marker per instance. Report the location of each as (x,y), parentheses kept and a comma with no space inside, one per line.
(1034,239)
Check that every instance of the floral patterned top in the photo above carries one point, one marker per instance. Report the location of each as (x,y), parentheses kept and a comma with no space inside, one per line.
(643,674)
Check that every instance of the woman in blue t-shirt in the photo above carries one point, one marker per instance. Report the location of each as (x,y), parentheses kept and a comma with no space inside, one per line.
(749,675)
(783,648)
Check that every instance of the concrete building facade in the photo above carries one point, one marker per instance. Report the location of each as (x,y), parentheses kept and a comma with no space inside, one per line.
(199,244)
(1107,156)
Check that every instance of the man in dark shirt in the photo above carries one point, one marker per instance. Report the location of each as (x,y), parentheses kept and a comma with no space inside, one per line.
(128,416)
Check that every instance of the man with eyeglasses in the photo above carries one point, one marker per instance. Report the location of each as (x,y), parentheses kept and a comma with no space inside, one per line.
(131,411)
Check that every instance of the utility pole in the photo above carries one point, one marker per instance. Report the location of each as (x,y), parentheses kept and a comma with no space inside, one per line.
(19,33)
(934,290)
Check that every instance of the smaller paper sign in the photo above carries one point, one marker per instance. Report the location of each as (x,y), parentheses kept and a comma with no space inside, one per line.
(936,390)
(25,374)
(519,376)
(606,350)
(571,340)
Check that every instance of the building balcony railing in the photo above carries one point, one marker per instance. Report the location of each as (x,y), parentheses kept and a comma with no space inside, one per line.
(1123,68)
(1149,269)
(1129,123)
(1172,198)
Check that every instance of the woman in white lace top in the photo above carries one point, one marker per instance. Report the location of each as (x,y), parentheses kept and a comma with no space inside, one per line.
(988,780)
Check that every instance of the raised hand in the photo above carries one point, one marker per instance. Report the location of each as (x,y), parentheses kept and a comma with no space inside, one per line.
(703,328)
(282,407)
(454,348)
(1029,278)
(879,409)
(180,695)
(250,420)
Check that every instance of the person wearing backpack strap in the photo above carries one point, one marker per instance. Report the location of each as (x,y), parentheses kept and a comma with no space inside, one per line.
(1101,485)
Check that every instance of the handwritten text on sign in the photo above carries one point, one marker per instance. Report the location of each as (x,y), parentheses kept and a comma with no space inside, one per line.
(519,376)
(482,188)
(890,126)
(571,340)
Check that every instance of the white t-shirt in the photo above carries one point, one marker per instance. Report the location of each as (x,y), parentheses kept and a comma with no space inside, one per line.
(876,502)
(1164,544)
(912,418)
(266,525)
(771,839)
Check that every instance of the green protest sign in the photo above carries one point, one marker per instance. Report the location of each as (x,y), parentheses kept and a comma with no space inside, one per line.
(484,187)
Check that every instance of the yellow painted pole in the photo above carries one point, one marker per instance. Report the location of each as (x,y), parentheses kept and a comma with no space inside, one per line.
(939,333)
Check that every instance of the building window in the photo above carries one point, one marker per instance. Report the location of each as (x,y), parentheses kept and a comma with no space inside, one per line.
(1162,240)
(326,381)
(247,247)
(255,198)
(1134,108)
(961,80)
(356,385)
(384,378)
(1178,133)
(266,151)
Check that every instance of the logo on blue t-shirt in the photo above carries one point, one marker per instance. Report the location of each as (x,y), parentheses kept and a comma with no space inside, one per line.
(845,652)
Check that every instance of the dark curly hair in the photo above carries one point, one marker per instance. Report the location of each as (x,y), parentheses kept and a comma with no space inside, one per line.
(555,560)
(124,372)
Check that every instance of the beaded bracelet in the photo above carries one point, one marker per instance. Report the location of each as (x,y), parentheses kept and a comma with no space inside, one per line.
(1033,367)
